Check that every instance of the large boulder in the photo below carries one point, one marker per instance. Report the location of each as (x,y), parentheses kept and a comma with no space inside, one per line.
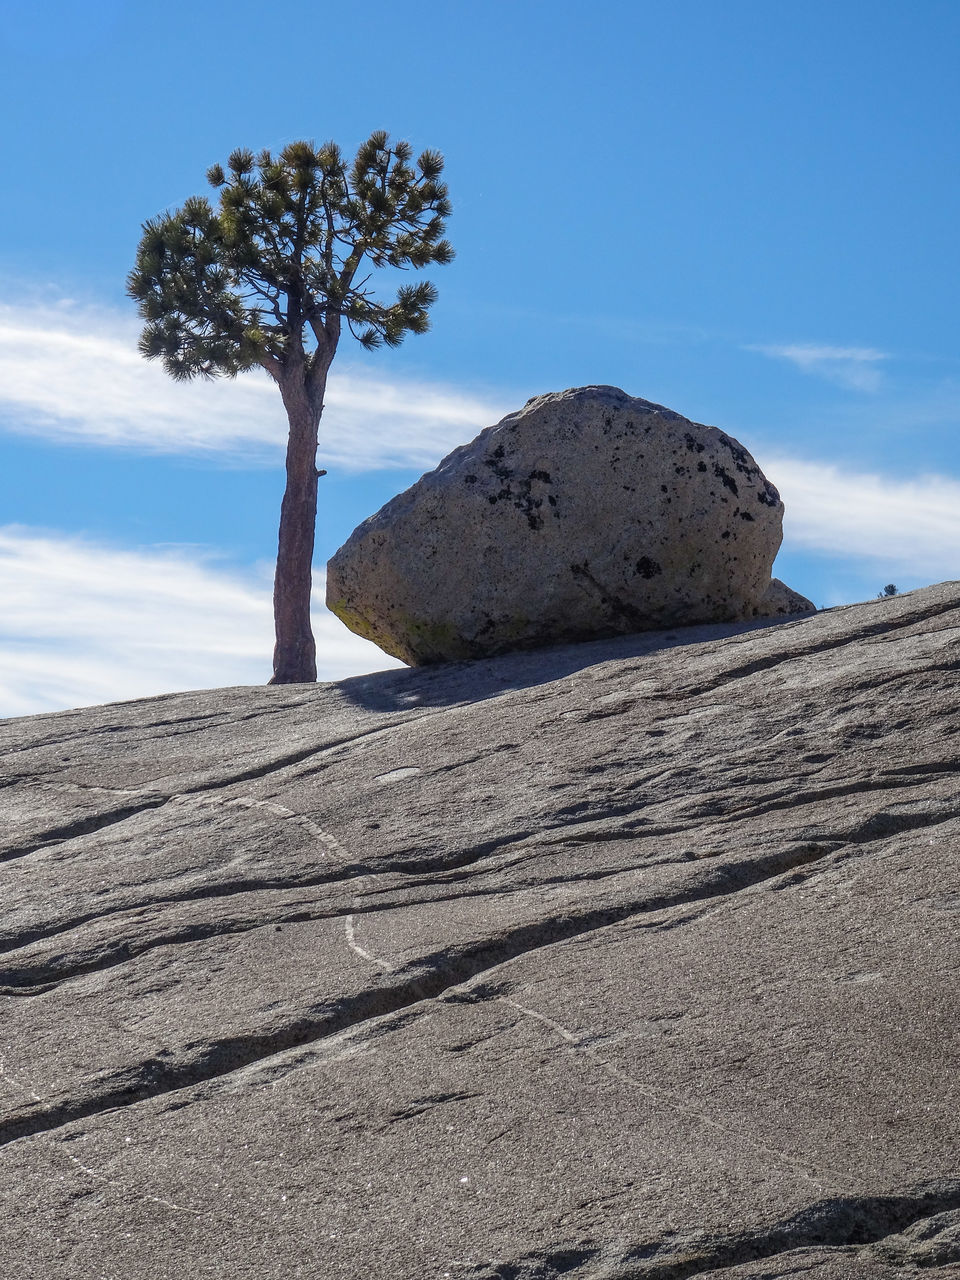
(632,960)
(588,513)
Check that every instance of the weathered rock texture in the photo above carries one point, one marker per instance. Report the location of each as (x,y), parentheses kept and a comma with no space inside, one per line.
(637,959)
(779,600)
(588,513)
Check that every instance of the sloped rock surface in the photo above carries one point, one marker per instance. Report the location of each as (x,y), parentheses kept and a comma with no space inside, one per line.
(632,959)
(588,513)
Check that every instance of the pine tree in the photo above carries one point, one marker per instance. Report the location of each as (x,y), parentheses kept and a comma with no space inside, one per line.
(268,279)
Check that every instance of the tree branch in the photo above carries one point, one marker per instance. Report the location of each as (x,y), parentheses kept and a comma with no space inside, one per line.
(272,366)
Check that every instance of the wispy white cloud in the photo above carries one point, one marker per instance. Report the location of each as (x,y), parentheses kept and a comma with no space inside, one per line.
(84,623)
(857,368)
(908,525)
(73,373)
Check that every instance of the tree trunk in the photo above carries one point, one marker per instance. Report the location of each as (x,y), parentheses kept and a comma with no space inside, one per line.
(295,653)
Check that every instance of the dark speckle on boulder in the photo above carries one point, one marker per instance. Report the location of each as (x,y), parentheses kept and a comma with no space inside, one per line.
(648,568)
(725,478)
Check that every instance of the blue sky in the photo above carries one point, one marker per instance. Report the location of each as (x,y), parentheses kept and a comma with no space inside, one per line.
(743,210)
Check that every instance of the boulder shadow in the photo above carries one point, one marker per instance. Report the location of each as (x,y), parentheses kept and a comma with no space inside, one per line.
(445,684)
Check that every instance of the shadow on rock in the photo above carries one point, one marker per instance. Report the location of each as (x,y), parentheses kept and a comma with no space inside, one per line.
(448,683)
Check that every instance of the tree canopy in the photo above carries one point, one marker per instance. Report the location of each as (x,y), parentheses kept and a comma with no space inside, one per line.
(278,265)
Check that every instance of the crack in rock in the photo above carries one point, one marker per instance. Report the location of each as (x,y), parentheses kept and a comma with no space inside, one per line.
(84,826)
(885,626)
(851,1223)
(425,979)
